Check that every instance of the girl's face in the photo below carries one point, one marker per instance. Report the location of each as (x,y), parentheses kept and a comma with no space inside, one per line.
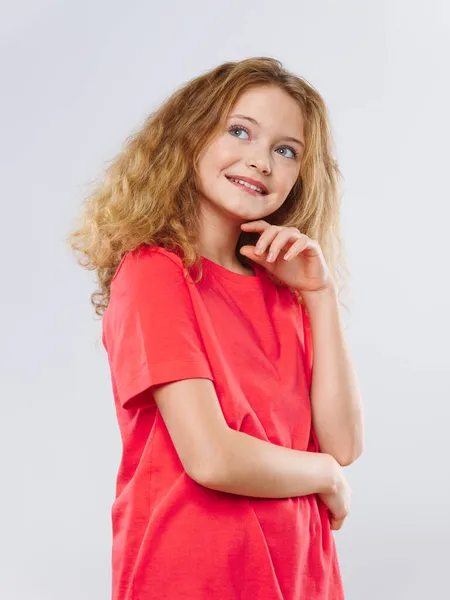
(257,143)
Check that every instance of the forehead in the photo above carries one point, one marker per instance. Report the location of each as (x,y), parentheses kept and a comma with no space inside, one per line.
(272,107)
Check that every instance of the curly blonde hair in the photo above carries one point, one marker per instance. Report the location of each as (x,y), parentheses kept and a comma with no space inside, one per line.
(149,195)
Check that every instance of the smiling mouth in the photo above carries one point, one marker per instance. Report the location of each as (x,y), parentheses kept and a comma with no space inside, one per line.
(253,190)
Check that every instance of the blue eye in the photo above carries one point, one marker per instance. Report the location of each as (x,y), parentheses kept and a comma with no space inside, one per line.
(240,128)
(294,153)
(237,127)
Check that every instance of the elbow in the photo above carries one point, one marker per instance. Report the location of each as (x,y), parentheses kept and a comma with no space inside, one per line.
(217,472)
(345,460)
(210,475)
(210,479)
(352,450)
(202,474)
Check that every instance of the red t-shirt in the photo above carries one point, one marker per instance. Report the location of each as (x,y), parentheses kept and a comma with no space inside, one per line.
(172,537)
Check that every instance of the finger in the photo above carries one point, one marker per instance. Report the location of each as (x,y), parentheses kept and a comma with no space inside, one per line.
(265,239)
(336,524)
(299,245)
(285,237)
(259,225)
(312,247)
(249,252)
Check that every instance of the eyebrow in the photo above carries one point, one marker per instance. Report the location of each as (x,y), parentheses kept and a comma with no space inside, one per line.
(255,122)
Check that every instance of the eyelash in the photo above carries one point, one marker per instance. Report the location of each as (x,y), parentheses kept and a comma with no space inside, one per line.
(230,129)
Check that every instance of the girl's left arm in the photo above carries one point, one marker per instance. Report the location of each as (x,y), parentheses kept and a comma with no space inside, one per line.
(335,397)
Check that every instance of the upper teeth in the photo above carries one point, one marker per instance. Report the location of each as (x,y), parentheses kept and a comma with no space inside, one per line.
(249,185)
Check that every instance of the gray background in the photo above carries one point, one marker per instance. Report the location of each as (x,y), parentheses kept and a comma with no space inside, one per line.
(77,78)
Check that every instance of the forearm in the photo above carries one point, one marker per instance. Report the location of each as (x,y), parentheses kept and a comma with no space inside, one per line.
(335,396)
(250,466)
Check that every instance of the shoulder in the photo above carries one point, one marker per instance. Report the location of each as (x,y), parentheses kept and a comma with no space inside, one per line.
(148,263)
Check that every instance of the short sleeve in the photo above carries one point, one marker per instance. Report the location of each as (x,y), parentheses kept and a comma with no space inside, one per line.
(150,330)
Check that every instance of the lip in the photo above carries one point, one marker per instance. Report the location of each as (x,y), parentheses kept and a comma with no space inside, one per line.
(250,181)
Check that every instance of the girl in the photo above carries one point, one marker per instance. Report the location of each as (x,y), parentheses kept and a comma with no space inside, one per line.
(215,236)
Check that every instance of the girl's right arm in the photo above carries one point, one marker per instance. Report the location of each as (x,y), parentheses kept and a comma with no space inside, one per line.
(223,459)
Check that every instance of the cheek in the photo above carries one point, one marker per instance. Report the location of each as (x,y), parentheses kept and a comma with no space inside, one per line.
(289,178)
(211,160)
(211,166)
(223,153)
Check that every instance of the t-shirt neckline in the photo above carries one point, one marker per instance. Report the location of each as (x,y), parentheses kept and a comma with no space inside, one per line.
(231,276)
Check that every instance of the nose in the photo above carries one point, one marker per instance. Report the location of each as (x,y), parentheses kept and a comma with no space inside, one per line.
(261,164)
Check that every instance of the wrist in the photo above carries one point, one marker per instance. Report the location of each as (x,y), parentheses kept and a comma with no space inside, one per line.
(320,301)
(329,292)
(331,474)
